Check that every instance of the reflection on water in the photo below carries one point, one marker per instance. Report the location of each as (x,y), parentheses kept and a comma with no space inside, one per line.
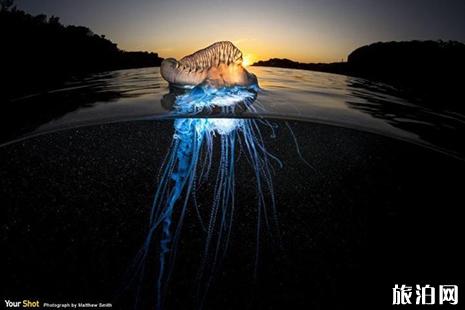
(442,129)
(285,93)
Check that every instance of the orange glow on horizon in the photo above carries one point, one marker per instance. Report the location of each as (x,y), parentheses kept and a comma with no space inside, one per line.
(247,60)
(254,50)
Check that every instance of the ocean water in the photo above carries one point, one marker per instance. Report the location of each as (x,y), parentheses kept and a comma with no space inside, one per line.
(359,192)
(317,97)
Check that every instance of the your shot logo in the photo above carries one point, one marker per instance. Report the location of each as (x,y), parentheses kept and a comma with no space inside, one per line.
(26,303)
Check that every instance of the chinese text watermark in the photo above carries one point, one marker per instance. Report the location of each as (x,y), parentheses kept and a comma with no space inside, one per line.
(425,295)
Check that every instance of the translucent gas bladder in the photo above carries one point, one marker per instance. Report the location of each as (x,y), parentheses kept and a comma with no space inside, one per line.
(219,64)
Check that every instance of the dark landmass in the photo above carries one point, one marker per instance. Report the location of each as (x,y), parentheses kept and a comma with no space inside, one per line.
(38,51)
(427,70)
(335,67)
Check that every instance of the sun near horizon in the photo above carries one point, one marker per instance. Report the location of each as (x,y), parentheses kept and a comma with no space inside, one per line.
(247,60)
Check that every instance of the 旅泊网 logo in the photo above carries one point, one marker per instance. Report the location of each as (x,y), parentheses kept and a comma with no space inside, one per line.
(425,295)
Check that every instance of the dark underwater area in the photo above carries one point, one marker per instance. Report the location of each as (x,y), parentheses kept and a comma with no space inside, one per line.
(372,213)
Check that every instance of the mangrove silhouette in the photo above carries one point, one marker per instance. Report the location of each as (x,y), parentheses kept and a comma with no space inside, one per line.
(39,52)
(424,70)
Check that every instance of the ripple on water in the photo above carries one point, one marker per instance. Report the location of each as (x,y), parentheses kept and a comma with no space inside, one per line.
(285,93)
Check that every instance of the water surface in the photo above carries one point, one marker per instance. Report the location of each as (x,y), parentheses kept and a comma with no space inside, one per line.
(362,195)
(285,93)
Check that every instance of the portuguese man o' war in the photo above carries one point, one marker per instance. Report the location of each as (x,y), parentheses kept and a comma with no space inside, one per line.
(195,146)
(219,64)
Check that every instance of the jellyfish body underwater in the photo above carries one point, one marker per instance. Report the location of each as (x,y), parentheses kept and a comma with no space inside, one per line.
(188,164)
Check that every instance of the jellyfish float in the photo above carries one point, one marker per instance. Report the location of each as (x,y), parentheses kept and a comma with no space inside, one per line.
(209,81)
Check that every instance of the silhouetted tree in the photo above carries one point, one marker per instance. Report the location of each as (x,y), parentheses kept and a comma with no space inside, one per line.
(428,69)
(6,4)
(54,20)
(425,70)
(36,50)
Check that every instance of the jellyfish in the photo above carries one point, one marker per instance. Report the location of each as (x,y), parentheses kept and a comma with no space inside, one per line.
(190,158)
(220,64)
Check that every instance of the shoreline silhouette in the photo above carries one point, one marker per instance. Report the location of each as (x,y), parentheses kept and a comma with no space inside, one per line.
(424,70)
(39,52)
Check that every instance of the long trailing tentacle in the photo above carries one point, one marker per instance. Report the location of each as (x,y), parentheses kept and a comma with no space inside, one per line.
(188,166)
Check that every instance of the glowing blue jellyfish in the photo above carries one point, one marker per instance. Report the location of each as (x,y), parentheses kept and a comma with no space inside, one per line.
(188,164)
(223,88)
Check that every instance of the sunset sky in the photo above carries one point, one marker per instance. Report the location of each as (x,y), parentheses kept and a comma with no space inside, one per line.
(302,30)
